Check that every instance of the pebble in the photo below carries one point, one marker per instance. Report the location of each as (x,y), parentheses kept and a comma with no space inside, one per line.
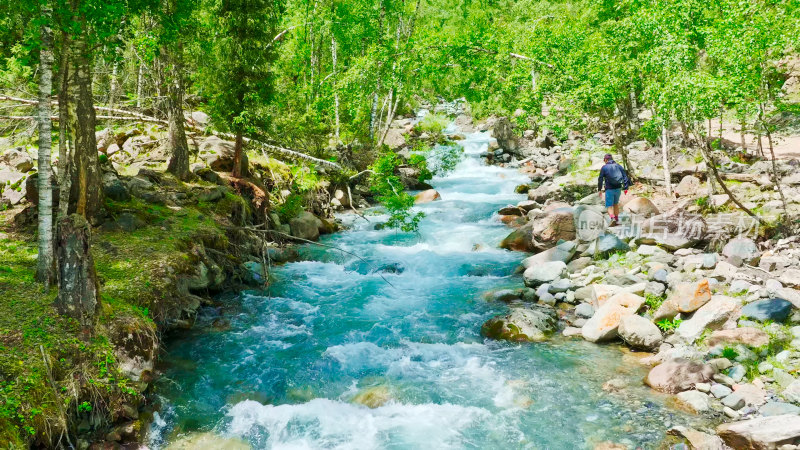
(720,390)
(585,310)
(730,413)
(764,367)
(783,356)
(734,401)
(703,387)
(737,372)
(723,379)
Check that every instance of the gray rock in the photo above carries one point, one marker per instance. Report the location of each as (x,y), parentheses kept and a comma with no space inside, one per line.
(688,187)
(610,243)
(503,295)
(774,309)
(743,248)
(678,375)
(585,310)
(655,289)
(305,226)
(544,273)
(778,409)
(697,401)
(521,324)
(660,275)
(17,159)
(560,285)
(640,333)
(737,373)
(761,433)
(548,299)
(739,286)
(734,401)
(720,390)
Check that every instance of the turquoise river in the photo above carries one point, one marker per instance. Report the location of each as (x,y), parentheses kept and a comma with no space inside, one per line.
(401,329)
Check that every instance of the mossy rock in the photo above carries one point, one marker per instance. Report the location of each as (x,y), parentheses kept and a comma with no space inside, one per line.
(534,324)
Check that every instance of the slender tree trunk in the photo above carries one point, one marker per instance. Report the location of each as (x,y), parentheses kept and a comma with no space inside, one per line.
(45,268)
(64,157)
(742,135)
(776,176)
(705,148)
(139,85)
(335,88)
(665,160)
(85,195)
(179,147)
(237,155)
(113,86)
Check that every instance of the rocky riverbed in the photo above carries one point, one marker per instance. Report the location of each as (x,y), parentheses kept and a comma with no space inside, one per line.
(709,293)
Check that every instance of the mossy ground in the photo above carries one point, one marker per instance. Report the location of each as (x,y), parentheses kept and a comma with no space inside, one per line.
(136,272)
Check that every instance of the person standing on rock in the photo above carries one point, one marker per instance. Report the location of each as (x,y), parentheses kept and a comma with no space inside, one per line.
(615,179)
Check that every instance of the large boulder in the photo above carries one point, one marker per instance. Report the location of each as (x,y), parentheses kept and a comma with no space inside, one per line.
(608,243)
(774,309)
(410,177)
(305,226)
(544,273)
(503,131)
(562,252)
(641,206)
(427,196)
(520,240)
(762,432)
(688,187)
(17,159)
(674,230)
(711,315)
(640,333)
(678,375)
(604,324)
(742,248)
(552,227)
(218,154)
(521,324)
(684,298)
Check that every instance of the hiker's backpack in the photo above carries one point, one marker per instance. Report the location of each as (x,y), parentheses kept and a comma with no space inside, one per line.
(619,177)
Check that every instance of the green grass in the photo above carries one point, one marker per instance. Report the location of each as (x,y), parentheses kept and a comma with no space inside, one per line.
(136,271)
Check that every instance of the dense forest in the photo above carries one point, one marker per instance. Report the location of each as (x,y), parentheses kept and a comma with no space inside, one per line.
(308,92)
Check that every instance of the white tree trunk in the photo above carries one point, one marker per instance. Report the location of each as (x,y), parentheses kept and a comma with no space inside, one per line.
(139,83)
(45,264)
(665,160)
(335,89)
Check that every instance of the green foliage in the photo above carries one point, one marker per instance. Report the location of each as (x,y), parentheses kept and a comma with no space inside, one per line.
(653,302)
(730,353)
(419,161)
(391,193)
(651,131)
(669,325)
(433,124)
(290,208)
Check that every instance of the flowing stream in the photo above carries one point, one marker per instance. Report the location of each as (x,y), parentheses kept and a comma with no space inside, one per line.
(401,332)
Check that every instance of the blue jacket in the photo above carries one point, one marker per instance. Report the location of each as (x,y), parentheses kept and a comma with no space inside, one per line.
(613,176)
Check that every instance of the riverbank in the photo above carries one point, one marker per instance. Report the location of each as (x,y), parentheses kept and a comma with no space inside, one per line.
(710,292)
(163,250)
